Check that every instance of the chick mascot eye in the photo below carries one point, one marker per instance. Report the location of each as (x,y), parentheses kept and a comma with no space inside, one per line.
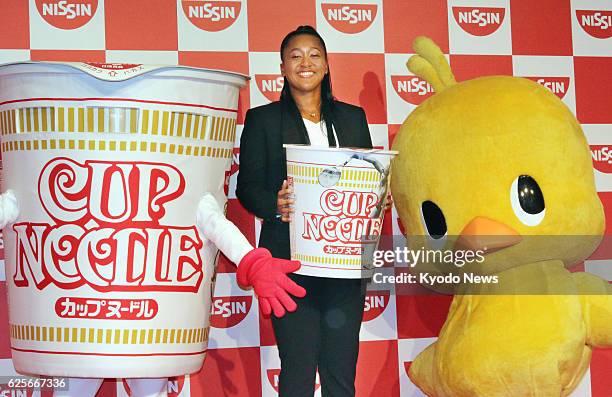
(433,219)
(527,200)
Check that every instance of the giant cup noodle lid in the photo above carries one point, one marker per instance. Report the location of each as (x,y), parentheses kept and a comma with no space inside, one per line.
(123,71)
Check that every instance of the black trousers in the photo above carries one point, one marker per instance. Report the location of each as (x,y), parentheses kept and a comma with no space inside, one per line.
(322,333)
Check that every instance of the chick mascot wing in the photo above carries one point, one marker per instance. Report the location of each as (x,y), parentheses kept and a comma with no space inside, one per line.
(502,156)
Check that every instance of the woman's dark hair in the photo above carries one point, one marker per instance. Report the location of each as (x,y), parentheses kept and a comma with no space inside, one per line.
(327,98)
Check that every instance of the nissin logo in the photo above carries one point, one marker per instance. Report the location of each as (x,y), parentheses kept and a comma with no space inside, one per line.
(274,373)
(176,386)
(412,89)
(227,311)
(273,377)
(349,18)
(114,66)
(12,391)
(596,23)
(479,21)
(270,85)
(375,303)
(556,85)
(602,158)
(212,16)
(67,14)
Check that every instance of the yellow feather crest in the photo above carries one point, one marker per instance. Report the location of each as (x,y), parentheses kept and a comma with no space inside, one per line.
(430,64)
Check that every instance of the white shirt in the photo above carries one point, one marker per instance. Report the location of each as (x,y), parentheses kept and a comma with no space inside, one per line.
(317,133)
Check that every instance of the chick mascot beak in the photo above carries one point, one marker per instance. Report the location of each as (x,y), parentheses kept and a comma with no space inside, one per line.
(502,164)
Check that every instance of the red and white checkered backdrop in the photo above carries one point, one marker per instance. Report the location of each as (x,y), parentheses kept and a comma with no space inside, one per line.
(565,45)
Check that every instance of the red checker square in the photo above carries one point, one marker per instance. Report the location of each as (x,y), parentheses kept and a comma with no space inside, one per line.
(393,130)
(577,268)
(466,67)
(228,372)
(543,27)
(108,388)
(5,343)
(15,25)
(266,332)
(405,20)
(68,55)
(141,25)
(377,369)
(604,251)
(593,87)
(231,61)
(387,226)
(606,201)
(601,366)
(360,79)
(246,224)
(421,316)
(270,20)
(224,265)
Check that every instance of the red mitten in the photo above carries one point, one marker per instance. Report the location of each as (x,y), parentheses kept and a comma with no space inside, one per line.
(268,276)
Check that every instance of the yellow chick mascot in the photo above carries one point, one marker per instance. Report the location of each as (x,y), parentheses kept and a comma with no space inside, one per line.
(503,157)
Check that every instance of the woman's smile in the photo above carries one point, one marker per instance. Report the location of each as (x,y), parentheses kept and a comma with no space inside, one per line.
(304,64)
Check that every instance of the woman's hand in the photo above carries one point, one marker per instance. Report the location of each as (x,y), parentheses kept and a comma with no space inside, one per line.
(284,202)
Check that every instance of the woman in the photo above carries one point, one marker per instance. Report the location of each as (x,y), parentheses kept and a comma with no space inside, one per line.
(323,332)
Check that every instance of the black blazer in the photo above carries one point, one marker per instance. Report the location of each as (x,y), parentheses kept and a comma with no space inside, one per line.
(263,165)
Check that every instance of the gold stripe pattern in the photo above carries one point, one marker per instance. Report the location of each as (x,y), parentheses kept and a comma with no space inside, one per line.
(117,120)
(325,260)
(349,185)
(351,178)
(10,121)
(116,146)
(134,336)
(223,129)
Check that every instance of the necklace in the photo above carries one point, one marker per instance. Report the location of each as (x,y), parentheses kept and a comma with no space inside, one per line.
(308,113)
(311,114)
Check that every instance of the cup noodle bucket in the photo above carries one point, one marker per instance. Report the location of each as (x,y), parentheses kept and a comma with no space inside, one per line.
(107,275)
(340,197)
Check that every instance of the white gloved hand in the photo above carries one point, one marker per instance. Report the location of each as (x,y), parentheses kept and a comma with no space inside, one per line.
(215,227)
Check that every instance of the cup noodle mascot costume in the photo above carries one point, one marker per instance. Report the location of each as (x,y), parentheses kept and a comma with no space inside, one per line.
(109,168)
(499,161)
